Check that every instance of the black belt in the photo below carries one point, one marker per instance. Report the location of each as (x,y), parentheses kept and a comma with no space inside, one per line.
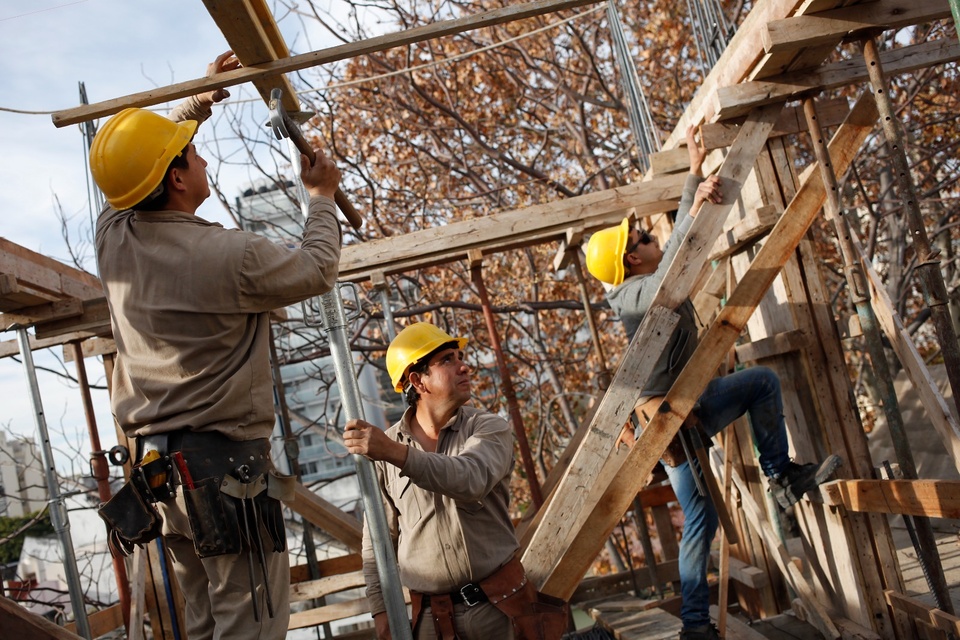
(469,594)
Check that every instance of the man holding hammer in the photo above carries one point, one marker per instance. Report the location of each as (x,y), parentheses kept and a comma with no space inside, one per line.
(189,306)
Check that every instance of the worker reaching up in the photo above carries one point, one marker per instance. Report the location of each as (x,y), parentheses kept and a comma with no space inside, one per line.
(631,262)
(189,307)
(444,472)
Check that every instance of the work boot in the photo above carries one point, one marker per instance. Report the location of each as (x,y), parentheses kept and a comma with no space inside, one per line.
(797,479)
(706,632)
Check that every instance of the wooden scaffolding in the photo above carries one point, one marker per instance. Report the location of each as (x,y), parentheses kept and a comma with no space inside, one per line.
(751,251)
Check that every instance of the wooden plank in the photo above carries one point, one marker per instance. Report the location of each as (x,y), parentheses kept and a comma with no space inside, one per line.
(736,628)
(744,573)
(57,310)
(775,345)
(341,525)
(937,410)
(12,347)
(508,229)
(830,27)
(755,225)
(613,584)
(327,567)
(925,498)
(715,135)
(550,559)
(253,34)
(95,318)
(331,612)
(17,622)
(315,58)
(322,587)
(732,101)
(92,348)
(669,161)
(101,622)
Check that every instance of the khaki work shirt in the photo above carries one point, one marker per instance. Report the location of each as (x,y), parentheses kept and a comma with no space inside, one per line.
(189,303)
(448,512)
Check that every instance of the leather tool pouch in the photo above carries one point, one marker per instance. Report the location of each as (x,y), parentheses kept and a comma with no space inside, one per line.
(535,615)
(674,455)
(213,519)
(130,517)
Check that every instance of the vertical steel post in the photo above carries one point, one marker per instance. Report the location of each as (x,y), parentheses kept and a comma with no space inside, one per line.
(856,284)
(928,266)
(476,273)
(101,473)
(58,510)
(335,325)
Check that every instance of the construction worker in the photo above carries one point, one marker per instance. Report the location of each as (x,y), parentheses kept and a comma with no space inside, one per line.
(630,261)
(444,472)
(189,306)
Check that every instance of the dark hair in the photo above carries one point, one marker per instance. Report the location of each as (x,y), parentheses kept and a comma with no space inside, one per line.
(420,366)
(157,201)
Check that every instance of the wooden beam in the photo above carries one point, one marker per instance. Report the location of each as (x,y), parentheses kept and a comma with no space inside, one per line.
(745,574)
(755,224)
(306,60)
(95,318)
(341,525)
(776,345)
(509,229)
(326,585)
(253,34)
(17,622)
(101,622)
(829,27)
(10,348)
(327,567)
(549,558)
(92,348)
(732,101)
(57,310)
(715,135)
(924,498)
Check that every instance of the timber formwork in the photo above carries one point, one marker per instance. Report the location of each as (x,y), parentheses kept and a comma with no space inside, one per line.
(751,250)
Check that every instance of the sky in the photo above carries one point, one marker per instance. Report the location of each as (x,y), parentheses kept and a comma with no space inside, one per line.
(116,48)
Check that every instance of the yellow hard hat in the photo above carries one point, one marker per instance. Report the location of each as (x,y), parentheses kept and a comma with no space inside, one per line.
(131,153)
(411,344)
(605,253)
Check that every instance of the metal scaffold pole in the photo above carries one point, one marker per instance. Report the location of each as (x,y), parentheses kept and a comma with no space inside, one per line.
(58,511)
(334,322)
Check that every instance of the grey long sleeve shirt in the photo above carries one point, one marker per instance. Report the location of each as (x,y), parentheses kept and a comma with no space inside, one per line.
(632,299)
(189,303)
(448,511)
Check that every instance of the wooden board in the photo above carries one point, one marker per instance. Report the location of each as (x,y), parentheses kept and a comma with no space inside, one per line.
(732,101)
(925,498)
(341,525)
(829,27)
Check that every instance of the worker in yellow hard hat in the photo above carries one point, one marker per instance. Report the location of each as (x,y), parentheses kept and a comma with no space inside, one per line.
(444,472)
(631,262)
(189,305)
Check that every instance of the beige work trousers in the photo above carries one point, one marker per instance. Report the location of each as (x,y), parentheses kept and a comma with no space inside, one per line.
(482,622)
(217,590)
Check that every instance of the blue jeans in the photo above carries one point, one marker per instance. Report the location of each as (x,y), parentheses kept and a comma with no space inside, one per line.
(754,391)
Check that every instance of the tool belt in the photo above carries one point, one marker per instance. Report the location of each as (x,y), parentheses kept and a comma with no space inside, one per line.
(230,489)
(674,455)
(535,615)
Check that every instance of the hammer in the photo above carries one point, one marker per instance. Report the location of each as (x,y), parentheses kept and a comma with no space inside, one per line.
(285,127)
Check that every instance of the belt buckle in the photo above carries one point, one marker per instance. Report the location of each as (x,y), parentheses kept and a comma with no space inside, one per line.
(472,594)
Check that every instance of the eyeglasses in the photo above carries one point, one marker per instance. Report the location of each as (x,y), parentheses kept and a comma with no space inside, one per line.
(642,238)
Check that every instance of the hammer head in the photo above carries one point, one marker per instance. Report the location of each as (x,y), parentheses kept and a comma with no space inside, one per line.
(277,113)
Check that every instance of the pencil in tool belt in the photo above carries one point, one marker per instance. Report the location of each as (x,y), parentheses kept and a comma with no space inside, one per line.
(182,468)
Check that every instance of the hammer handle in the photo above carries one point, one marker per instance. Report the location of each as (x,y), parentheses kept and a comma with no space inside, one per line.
(339,197)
